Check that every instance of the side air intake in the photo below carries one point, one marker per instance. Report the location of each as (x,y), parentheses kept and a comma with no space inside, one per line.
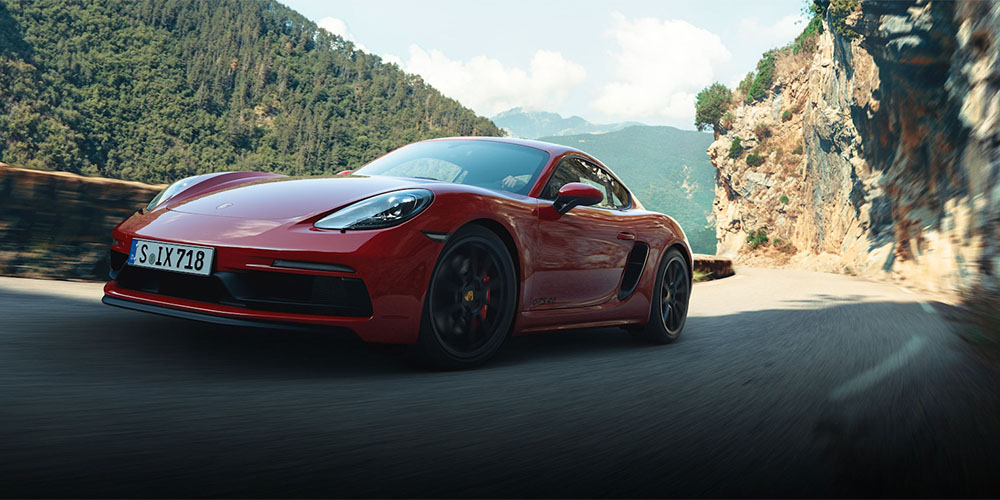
(633,269)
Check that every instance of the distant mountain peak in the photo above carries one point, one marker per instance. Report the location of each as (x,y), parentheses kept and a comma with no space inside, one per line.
(534,124)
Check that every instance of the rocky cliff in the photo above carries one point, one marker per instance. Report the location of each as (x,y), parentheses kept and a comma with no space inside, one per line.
(880,148)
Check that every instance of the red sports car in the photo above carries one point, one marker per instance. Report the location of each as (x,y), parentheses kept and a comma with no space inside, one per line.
(450,245)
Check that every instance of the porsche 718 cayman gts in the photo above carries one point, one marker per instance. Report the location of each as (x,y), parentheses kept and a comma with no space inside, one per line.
(451,245)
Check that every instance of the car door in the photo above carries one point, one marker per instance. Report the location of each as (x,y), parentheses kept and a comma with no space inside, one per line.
(582,253)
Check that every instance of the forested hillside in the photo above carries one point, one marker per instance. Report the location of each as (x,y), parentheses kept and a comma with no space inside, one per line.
(154,90)
(667,170)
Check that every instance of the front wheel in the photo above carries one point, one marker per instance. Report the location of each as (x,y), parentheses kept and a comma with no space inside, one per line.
(471,301)
(671,296)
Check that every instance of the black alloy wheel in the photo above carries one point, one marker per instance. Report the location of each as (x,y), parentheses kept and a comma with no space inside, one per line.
(671,297)
(470,303)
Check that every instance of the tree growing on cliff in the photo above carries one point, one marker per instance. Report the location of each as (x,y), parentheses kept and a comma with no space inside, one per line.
(710,104)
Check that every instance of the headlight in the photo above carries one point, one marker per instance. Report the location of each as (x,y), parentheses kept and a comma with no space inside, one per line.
(171,190)
(377,212)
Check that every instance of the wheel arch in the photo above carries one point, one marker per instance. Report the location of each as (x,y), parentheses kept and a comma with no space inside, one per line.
(686,252)
(508,240)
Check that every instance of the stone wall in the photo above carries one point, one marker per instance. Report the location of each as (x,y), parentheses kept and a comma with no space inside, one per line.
(58,225)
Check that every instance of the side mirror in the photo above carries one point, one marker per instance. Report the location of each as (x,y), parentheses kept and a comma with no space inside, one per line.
(576,193)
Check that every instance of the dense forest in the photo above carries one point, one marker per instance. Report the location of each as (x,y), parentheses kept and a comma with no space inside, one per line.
(155,90)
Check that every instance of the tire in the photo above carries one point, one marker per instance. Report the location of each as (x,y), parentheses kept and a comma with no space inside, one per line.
(470,303)
(669,302)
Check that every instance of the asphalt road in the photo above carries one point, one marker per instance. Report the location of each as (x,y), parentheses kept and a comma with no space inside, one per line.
(783,384)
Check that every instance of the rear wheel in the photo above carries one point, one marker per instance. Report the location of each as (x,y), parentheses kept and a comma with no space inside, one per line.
(471,301)
(671,296)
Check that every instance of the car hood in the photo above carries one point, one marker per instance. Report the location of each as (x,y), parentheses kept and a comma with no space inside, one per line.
(285,198)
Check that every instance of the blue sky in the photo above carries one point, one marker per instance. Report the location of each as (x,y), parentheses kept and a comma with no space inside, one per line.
(606,61)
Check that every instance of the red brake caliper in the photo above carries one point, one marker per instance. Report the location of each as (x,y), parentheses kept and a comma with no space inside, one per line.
(486,281)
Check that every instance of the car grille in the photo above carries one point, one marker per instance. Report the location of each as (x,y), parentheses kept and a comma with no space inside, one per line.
(258,290)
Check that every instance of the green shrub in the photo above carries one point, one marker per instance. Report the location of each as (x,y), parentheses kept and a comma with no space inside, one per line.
(744,86)
(756,238)
(755,160)
(762,130)
(762,80)
(838,12)
(806,41)
(797,150)
(709,106)
(735,148)
(784,201)
(787,115)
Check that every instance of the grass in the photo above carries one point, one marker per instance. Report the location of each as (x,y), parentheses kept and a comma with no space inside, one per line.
(700,277)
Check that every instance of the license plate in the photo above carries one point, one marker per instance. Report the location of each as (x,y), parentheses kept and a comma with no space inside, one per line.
(171,257)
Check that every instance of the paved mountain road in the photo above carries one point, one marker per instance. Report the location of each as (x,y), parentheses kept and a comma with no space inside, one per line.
(784,383)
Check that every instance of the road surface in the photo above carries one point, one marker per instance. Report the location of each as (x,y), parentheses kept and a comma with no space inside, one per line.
(783,383)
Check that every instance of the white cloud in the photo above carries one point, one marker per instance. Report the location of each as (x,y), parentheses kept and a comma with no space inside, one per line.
(488,86)
(659,67)
(778,34)
(339,27)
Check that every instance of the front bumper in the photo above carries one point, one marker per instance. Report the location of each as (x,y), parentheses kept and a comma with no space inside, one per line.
(370,282)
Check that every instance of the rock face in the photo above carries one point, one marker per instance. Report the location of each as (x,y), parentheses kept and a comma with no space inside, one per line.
(899,174)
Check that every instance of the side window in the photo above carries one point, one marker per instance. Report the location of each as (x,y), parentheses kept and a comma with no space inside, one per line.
(569,170)
(619,195)
(577,170)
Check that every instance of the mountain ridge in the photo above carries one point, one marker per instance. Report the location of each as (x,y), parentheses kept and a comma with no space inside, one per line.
(153,91)
(535,124)
(665,168)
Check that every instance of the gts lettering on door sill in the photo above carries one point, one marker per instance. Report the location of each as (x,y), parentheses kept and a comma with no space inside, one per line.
(540,301)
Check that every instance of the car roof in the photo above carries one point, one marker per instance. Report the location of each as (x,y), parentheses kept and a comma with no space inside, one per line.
(548,147)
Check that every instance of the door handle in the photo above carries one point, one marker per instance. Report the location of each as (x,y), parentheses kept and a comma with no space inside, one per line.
(626,236)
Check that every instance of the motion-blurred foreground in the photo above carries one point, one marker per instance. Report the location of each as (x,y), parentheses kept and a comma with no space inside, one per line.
(785,383)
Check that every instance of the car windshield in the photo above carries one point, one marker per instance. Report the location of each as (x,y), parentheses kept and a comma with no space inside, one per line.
(487,164)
